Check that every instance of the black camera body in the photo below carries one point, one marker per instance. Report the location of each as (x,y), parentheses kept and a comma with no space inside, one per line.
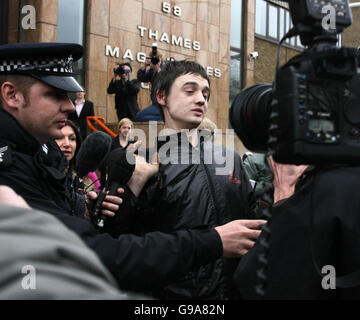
(154,58)
(315,112)
(311,114)
(120,70)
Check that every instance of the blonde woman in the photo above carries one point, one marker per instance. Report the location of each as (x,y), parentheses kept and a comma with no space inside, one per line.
(122,140)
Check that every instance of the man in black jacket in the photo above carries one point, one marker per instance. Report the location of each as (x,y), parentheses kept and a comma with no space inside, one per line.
(34,81)
(311,250)
(83,109)
(126,92)
(196,186)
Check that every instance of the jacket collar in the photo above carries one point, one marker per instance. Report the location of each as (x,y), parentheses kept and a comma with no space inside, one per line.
(13,133)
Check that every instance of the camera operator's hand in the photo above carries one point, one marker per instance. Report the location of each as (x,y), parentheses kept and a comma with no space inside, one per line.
(285,178)
(110,205)
(156,67)
(239,236)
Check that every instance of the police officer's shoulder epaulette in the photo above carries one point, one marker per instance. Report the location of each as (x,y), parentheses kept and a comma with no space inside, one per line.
(5,155)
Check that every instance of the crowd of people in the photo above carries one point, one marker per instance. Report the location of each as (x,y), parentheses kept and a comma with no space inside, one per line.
(177,229)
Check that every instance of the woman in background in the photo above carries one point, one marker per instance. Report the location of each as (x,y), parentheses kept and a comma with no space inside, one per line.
(122,140)
(70,145)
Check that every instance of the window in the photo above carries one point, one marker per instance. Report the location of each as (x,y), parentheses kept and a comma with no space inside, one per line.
(235,49)
(260,21)
(71,21)
(71,28)
(272,22)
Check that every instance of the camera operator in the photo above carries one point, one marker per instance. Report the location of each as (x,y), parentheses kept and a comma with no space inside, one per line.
(147,73)
(126,92)
(310,246)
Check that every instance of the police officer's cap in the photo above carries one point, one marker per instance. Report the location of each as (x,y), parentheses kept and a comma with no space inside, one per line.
(51,63)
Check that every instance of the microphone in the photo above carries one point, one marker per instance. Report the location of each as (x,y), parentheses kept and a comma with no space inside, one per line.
(93,152)
(119,169)
(119,172)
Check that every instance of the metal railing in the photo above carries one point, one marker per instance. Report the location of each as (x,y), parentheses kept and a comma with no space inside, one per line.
(101,123)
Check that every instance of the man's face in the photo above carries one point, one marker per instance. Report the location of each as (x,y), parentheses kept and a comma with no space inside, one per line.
(187,102)
(80,95)
(45,112)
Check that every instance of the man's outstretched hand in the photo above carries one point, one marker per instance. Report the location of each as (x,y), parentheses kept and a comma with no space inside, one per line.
(239,236)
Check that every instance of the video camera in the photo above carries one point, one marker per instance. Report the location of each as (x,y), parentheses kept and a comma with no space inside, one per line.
(311,113)
(154,58)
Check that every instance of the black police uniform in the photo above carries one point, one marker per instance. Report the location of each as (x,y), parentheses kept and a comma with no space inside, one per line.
(138,263)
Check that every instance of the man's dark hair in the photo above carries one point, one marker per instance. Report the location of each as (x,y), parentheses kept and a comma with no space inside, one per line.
(171,71)
(126,64)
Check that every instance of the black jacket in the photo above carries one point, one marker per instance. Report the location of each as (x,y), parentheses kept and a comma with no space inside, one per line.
(138,263)
(195,195)
(80,121)
(329,198)
(126,103)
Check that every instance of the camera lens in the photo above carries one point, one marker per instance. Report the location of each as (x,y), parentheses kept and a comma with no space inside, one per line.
(250,116)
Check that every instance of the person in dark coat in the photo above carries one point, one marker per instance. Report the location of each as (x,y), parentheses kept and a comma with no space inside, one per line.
(193,189)
(35,114)
(314,241)
(150,113)
(83,108)
(147,74)
(126,92)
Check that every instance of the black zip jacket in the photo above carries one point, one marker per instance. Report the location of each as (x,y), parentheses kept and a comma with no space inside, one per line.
(197,193)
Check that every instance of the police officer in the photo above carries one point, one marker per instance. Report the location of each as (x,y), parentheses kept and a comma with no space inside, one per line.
(34,81)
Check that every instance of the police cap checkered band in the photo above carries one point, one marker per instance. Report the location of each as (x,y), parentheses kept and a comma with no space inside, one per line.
(51,63)
(44,65)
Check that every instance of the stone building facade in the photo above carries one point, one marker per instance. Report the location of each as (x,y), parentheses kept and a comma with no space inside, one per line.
(219,34)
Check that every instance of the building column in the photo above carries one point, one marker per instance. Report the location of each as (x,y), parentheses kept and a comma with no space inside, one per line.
(249,40)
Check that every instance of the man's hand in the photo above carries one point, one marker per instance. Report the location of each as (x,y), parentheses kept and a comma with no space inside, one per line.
(156,67)
(110,205)
(142,173)
(239,236)
(285,178)
(9,197)
(134,146)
